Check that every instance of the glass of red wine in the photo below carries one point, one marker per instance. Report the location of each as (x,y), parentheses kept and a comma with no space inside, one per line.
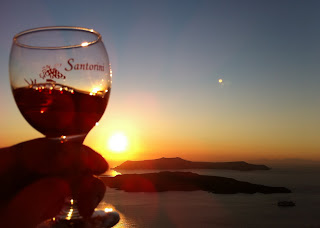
(61,81)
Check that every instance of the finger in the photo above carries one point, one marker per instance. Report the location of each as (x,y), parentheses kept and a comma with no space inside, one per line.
(37,202)
(93,161)
(39,156)
(90,194)
(7,160)
(50,157)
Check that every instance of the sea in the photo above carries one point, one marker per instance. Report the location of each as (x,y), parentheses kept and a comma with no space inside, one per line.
(200,209)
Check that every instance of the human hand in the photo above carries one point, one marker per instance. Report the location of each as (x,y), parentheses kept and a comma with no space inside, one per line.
(34,184)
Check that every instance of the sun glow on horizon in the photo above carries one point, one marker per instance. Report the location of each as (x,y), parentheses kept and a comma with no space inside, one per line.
(118,142)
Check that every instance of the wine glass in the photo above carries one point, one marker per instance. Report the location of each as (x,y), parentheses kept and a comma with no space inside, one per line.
(61,82)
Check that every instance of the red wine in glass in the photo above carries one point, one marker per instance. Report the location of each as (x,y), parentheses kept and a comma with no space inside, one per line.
(57,112)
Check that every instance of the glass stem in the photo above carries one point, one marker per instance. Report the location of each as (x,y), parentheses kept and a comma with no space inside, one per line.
(69,210)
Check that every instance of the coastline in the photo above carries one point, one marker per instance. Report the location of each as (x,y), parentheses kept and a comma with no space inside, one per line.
(185,181)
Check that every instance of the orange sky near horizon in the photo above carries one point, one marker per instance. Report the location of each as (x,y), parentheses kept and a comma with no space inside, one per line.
(151,141)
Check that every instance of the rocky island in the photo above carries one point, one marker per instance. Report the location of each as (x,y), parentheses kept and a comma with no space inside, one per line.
(179,163)
(185,181)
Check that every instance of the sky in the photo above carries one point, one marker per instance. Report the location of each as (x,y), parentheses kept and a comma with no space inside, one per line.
(204,80)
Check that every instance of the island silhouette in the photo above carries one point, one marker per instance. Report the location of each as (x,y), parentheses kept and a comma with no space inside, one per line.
(179,163)
(165,179)
(185,181)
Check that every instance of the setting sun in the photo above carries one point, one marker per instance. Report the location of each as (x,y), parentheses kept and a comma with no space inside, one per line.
(118,142)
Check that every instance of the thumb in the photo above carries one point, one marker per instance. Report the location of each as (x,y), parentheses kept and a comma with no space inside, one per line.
(35,203)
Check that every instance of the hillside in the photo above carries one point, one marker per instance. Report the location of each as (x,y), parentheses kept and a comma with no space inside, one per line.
(179,163)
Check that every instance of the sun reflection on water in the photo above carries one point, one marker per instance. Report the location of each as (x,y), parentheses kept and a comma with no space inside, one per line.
(111,173)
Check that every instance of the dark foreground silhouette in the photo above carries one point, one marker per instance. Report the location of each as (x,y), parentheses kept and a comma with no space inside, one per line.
(185,181)
(179,163)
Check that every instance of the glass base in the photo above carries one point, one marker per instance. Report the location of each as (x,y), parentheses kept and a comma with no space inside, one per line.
(69,217)
(66,224)
(107,220)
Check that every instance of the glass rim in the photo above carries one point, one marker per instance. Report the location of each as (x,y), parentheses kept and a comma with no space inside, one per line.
(48,28)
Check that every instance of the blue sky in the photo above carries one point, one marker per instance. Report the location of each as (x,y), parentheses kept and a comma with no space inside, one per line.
(167,58)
